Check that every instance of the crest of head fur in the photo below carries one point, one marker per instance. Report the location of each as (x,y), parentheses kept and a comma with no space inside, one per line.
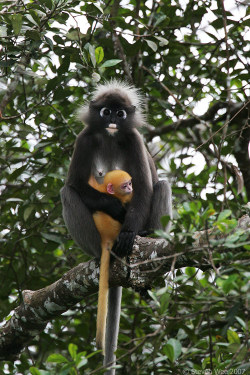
(130,93)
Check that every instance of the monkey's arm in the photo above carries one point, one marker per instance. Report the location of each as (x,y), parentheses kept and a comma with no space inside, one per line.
(152,168)
(97,201)
(138,166)
(79,173)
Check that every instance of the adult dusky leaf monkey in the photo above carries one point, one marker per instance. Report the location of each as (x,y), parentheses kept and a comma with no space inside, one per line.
(111,141)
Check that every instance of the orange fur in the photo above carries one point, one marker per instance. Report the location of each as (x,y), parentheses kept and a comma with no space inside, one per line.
(109,230)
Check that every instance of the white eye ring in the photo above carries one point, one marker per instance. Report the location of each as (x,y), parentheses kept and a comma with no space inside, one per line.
(121,113)
(103,110)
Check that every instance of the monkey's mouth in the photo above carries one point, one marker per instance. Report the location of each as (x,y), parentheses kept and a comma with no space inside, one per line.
(112,129)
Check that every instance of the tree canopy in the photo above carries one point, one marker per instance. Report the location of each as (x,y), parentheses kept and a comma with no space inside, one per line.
(190,59)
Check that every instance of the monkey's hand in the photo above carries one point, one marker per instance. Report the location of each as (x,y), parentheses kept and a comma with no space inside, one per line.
(124,243)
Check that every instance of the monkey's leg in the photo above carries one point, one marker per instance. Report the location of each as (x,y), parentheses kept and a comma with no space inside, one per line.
(80,223)
(112,327)
(161,205)
(103,298)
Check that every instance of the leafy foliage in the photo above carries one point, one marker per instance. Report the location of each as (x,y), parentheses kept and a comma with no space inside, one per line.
(190,60)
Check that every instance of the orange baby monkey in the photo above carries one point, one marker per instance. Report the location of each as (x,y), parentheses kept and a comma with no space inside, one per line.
(119,184)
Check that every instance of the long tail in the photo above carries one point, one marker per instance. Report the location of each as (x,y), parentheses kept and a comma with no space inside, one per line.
(113,321)
(103,298)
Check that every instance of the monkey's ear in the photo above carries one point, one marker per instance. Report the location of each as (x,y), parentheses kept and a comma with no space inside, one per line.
(110,188)
(92,104)
(132,109)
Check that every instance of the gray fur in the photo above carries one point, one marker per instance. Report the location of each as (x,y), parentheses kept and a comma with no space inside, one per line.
(161,205)
(95,153)
(80,223)
(112,328)
(131,94)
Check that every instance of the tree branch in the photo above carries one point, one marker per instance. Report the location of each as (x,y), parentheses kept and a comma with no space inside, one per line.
(187,123)
(151,258)
(117,43)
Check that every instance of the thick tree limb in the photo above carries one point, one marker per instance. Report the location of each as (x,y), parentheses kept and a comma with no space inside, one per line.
(151,258)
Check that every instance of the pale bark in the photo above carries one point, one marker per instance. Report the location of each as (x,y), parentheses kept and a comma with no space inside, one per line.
(150,259)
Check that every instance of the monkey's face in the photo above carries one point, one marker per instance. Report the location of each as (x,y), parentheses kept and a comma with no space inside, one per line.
(111,114)
(126,187)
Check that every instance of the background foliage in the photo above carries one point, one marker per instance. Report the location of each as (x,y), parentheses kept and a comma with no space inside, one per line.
(190,60)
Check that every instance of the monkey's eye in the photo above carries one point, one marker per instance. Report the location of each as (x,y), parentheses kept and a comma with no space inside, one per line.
(121,113)
(105,112)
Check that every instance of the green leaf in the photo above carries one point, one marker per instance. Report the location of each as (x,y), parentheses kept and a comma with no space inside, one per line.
(190,271)
(34,371)
(164,301)
(49,41)
(172,349)
(186,206)
(96,77)
(64,67)
(92,55)
(169,351)
(160,19)
(98,7)
(227,283)
(75,34)
(154,297)
(207,213)
(241,322)
(17,173)
(72,350)
(14,200)
(33,34)
(243,368)
(109,63)
(233,337)
(165,220)
(152,45)
(163,41)
(17,20)
(81,362)
(99,54)
(27,212)
(57,358)
(224,214)
(52,237)
(35,17)
(47,3)
(7,63)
